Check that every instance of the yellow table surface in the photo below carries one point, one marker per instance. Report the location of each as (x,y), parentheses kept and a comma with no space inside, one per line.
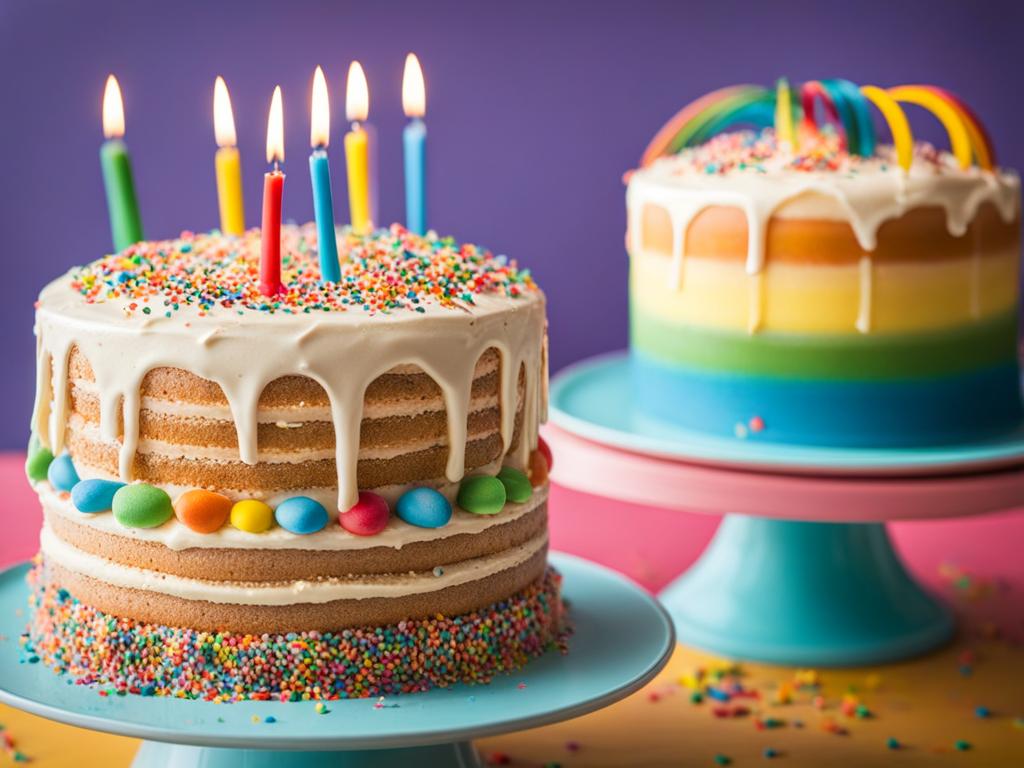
(927,704)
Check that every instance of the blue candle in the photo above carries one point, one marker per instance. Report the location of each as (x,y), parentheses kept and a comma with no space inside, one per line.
(320,175)
(414,142)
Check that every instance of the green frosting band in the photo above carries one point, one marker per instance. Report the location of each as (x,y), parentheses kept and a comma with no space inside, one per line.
(992,341)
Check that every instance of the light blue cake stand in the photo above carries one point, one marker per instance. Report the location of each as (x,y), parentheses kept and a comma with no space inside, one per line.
(801,570)
(622,638)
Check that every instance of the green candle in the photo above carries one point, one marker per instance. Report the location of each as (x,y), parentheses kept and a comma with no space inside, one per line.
(125,223)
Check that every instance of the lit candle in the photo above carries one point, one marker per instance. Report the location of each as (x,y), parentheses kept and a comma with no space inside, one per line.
(273,187)
(357,109)
(122,205)
(320,173)
(227,163)
(414,141)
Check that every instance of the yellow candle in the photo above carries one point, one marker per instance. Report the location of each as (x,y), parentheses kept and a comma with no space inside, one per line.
(357,109)
(227,163)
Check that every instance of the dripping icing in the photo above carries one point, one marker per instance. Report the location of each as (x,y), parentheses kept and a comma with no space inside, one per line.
(342,352)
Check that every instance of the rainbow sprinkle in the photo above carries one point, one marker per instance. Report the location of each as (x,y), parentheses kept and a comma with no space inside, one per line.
(758,152)
(122,656)
(386,271)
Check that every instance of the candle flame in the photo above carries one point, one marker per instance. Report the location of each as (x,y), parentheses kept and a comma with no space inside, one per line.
(275,129)
(320,120)
(223,117)
(113,110)
(414,92)
(357,94)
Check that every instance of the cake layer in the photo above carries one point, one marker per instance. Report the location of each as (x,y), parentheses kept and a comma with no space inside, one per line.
(890,412)
(864,296)
(984,344)
(325,605)
(409,656)
(187,436)
(277,555)
(814,228)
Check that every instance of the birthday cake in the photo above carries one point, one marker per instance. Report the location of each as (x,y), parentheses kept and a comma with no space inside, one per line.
(336,491)
(794,280)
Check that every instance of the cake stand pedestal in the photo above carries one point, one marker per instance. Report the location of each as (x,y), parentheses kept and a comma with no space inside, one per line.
(622,638)
(801,570)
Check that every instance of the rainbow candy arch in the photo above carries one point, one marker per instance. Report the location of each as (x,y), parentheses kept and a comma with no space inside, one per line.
(847,106)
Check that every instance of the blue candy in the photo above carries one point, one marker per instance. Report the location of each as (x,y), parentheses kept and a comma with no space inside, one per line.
(95,495)
(62,474)
(424,508)
(301,514)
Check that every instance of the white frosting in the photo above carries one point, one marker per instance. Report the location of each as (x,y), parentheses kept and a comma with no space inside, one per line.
(396,535)
(878,191)
(342,351)
(58,551)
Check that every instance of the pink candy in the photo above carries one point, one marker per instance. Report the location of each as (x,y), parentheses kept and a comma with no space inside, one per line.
(367,517)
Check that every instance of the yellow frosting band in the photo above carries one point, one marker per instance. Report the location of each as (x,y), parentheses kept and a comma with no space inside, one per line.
(844,298)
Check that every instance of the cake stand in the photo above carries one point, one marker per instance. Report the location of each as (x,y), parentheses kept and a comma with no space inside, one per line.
(801,569)
(622,638)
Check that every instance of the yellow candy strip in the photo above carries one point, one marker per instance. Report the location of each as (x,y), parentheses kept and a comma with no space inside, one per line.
(784,113)
(959,140)
(979,141)
(899,127)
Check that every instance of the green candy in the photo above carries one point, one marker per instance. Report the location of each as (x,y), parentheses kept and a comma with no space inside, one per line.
(482,495)
(38,460)
(517,484)
(142,506)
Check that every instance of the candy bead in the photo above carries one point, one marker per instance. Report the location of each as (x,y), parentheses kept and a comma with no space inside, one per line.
(517,484)
(537,469)
(545,450)
(61,473)
(482,495)
(38,461)
(301,514)
(95,495)
(367,517)
(142,506)
(202,511)
(424,508)
(252,516)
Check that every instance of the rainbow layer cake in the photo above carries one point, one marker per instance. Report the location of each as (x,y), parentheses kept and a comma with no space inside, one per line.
(337,491)
(794,280)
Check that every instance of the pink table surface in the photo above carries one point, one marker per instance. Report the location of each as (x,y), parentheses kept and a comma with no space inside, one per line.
(650,545)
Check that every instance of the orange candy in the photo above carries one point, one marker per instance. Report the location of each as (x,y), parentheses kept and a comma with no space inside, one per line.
(202,511)
(537,470)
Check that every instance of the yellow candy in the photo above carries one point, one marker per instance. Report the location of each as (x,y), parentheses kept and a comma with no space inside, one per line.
(252,516)
(959,139)
(784,113)
(899,127)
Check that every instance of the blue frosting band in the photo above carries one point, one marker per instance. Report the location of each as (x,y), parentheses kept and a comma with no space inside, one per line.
(893,413)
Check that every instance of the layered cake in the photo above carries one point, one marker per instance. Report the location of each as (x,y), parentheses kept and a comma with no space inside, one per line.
(794,279)
(335,491)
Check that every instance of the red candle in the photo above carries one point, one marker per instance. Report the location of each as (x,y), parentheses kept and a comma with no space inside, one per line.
(273,188)
(270,261)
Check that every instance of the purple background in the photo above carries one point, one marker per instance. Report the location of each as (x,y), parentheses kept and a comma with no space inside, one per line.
(534,110)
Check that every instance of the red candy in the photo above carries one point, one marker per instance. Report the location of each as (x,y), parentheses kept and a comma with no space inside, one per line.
(545,449)
(367,517)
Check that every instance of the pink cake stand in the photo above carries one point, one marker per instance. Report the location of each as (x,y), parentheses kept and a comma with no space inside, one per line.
(801,570)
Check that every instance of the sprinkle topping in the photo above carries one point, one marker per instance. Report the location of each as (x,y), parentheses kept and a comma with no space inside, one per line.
(760,153)
(384,272)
